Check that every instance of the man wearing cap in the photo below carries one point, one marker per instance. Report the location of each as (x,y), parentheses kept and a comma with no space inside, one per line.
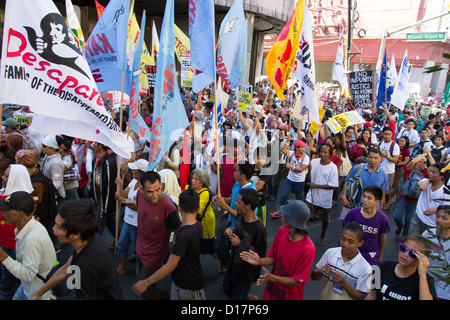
(34,249)
(297,163)
(292,254)
(52,165)
(17,139)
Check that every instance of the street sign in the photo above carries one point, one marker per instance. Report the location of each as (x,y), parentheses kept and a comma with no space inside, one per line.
(426,36)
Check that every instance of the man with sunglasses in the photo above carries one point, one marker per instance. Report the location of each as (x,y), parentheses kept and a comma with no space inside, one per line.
(406,279)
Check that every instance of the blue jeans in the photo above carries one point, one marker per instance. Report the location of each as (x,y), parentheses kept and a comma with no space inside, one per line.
(128,235)
(8,283)
(20,294)
(288,188)
(404,211)
(234,291)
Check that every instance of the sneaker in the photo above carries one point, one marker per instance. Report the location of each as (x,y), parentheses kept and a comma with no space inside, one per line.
(275,214)
(398,230)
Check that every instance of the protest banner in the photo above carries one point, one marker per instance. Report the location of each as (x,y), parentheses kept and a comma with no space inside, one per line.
(185,69)
(343,120)
(245,98)
(361,88)
(60,91)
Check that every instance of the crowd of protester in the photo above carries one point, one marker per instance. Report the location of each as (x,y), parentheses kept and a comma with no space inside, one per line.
(63,190)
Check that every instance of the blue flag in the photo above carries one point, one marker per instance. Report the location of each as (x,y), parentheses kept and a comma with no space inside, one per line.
(169,116)
(381,94)
(201,35)
(105,49)
(138,124)
(232,52)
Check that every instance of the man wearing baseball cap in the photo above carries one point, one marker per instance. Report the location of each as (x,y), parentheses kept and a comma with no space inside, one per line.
(34,249)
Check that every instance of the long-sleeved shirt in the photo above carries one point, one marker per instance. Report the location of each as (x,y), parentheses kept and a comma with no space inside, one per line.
(53,168)
(35,254)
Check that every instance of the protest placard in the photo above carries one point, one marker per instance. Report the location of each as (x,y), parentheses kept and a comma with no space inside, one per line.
(343,120)
(185,68)
(245,98)
(361,88)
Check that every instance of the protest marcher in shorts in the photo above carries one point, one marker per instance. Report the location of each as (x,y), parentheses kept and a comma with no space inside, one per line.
(324,179)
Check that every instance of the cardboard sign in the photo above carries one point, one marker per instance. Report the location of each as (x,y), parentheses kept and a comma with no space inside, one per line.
(245,98)
(361,87)
(185,68)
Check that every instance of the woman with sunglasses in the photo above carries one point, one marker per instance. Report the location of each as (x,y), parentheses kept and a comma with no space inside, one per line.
(406,279)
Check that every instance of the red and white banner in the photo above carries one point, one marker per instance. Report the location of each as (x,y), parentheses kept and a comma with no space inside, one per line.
(42,67)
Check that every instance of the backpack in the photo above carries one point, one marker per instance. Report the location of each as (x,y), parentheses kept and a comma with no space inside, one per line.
(391,147)
(48,208)
(354,184)
(410,188)
(201,215)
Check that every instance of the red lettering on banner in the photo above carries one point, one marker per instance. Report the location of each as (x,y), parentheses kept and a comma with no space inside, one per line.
(154,143)
(22,46)
(192,11)
(169,80)
(222,71)
(55,74)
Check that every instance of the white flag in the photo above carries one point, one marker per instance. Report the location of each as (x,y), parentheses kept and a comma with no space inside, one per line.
(42,67)
(338,69)
(73,23)
(401,90)
(155,42)
(306,72)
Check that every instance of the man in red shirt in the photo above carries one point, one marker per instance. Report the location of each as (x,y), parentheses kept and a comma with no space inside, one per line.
(157,218)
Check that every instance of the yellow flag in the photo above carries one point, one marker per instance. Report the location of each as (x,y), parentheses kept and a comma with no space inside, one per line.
(280,60)
(146,59)
(182,43)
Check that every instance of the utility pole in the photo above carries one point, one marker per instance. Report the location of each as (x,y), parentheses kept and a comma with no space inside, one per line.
(351,21)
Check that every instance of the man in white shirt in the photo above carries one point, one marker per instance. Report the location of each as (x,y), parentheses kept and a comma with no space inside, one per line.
(53,166)
(433,194)
(324,179)
(35,253)
(411,132)
(390,151)
(348,274)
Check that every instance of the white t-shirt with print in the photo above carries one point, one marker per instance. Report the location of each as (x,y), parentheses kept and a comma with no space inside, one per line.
(297,176)
(386,165)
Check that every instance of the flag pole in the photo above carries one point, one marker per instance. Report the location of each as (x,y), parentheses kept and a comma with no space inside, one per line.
(118,159)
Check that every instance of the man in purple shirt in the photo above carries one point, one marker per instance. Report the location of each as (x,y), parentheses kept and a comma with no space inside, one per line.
(374,223)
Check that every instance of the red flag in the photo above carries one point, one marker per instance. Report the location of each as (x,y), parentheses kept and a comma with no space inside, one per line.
(185,165)
(100,9)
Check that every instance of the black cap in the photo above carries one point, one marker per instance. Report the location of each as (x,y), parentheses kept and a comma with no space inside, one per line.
(20,201)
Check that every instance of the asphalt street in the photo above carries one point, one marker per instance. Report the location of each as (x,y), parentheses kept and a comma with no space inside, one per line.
(213,279)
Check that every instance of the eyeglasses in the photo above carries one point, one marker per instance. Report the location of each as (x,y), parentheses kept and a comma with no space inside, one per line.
(403,248)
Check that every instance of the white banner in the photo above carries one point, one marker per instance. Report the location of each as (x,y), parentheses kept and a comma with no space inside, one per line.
(401,89)
(43,68)
(306,72)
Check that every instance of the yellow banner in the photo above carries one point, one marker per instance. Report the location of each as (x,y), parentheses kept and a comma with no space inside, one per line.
(146,59)
(182,43)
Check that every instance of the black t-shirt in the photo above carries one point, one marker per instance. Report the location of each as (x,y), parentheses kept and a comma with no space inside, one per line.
(251,234)
(262,193)
(188,241)
(99,280)
(392,287)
